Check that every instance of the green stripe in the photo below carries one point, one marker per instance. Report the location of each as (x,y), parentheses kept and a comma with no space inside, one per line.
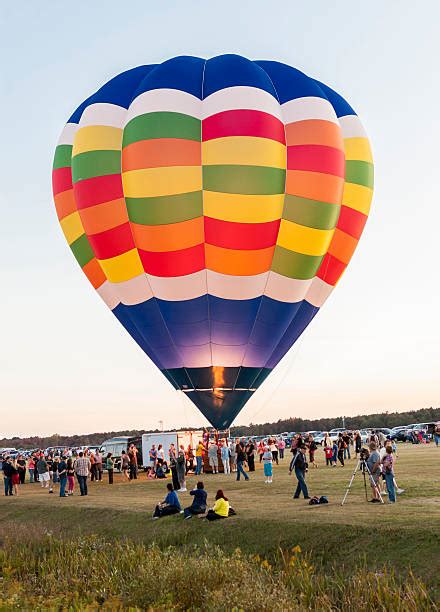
(63,156)
(251,180)
(162,210)
(162,125)
(360,173)
(311,213)
(295,265)
(82,250)
(95,163)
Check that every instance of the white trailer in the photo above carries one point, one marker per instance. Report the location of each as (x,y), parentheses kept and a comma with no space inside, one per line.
(166,438)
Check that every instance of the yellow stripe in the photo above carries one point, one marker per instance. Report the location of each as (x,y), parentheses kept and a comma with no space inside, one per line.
(152,182)
(242,208)
(72,227)
(123,267)
(302,239)
(97,138)
(357,197)
(244,150)
(358,148)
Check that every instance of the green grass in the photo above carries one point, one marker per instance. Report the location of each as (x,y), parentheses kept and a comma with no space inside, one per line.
(337,541)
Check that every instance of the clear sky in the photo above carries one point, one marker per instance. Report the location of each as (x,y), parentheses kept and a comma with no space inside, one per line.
(66,365)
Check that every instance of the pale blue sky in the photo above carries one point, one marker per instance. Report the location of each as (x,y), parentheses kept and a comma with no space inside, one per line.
(66,365)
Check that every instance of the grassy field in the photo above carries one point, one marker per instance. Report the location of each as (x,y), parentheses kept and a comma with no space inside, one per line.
(403,537)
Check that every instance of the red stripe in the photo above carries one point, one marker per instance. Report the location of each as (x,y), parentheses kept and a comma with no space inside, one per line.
(243,123)
(112,242)
(331,269)
(316,158)
(97,190)
(61,179)
(241,236)
(174,263)
(351,221)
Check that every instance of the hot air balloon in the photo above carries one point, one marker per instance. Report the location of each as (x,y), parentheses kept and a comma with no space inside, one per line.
(213,205)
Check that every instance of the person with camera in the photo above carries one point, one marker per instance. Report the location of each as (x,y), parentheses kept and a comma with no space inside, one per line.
(299,464)
(373,464)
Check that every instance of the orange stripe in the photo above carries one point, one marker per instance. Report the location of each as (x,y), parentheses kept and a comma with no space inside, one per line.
(99,218)
(314,131)
(342,246)
(315,186)
(171,237)
(160,152)
(238,263)
(65,203)
(94,273)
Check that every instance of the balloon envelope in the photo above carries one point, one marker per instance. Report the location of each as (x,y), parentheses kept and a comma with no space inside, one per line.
(213,205)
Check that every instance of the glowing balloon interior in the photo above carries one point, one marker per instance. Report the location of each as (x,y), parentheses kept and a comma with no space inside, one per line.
(214,205)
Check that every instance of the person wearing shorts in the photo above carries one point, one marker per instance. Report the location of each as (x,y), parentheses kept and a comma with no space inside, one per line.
(213,457)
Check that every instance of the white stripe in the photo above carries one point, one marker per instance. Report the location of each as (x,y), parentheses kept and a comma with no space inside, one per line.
(178,287)
(318,292)
(133,291)
(104,114)
(165,100)
(302,109)
(68,134)
(352,127)
(108,294)
(233,98)
(285,289)
(231,287)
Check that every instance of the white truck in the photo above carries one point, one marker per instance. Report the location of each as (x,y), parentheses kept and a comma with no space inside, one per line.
(166,438)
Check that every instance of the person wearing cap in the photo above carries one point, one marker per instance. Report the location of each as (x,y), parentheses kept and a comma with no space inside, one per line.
(299,464)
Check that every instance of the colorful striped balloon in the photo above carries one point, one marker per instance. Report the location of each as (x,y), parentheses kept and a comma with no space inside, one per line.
(214,204)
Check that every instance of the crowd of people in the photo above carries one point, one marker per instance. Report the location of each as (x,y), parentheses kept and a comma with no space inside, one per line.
(212,454)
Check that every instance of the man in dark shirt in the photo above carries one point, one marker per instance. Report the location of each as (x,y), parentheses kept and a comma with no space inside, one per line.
(241,458)
(299,464)
(198,505)
(62,476)
(8,470)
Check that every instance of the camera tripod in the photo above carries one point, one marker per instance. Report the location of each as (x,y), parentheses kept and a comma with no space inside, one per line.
(362,465)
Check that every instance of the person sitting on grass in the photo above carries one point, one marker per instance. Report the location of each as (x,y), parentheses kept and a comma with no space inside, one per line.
(160,471)
(198,505)
(220,509)
(170,504)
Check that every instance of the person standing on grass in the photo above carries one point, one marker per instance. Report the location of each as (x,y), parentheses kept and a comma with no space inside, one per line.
(328,455)
(125,465)
(15,476)
(281,447)
(7,476)
(267,465)
(274,450)
(153,458)
(199,458)
(341,448)
(170,504)
(70,476)
(437,434)
(357,443)
(93,473)
(250,455)
(220,509)
(299,465)
(312,450)
(241,458)
(31,468)
(198,505)
(181,469)
(373,463)
(347,439)
(224,453)
(213,457)
(82,471)
(98,464)
(261,447)
(110,465)
(62,475)
(21,464)
(233,456)
(132,454)
(43,471)
(388,472)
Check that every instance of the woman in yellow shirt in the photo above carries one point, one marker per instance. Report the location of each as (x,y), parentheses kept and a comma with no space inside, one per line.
(220,509)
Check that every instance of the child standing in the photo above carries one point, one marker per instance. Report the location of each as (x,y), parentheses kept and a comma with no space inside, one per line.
(335,453)
(328,454)
(70,477)
(267,463)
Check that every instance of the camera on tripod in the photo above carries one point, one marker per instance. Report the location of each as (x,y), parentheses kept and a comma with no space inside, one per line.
(364,454)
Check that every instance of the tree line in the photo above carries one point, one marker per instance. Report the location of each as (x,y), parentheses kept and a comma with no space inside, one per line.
(383,419)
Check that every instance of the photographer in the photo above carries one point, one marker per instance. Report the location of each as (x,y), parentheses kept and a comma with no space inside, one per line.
(299,464)
(373,464)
